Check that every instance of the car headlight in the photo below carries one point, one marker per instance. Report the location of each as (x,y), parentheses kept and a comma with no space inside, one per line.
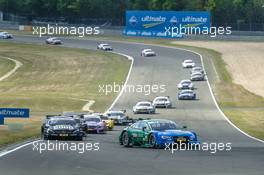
(166,137)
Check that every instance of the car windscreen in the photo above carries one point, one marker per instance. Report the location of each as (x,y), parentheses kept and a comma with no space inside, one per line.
(144,104)
(186,82)
(92,119)
(62,122)
(161,99)
(161,126)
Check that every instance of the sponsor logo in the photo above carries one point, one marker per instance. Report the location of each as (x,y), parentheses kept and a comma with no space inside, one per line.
(133,20)
(173,21)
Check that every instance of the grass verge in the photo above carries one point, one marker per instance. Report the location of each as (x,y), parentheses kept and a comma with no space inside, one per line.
(52,80)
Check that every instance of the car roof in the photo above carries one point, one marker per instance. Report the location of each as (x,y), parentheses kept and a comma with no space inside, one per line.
(61,118)
(91,116)
(115,112)
(140,102)
(162,97)
(188,60)
(196,73)
(158,120)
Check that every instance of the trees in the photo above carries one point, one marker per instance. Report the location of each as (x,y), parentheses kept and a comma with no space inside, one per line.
(223,11)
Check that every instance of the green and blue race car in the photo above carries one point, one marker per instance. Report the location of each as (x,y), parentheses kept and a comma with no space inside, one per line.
(156,133)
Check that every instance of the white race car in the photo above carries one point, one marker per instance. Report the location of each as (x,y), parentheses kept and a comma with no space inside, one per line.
(105,47)
(119,117)
(197,76)
(53,41)
(185,84)
(188,64)
(162,101)
(148,53)
(5,35)
(197,69)
(144,107)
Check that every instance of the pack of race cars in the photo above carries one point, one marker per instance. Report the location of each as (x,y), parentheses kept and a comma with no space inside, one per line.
(153,133)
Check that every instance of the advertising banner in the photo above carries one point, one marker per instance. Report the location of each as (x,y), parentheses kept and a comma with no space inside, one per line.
(164,23)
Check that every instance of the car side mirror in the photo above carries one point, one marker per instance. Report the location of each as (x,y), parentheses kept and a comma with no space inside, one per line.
(144,128)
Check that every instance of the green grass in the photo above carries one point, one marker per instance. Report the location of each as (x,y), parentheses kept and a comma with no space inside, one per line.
(52,80)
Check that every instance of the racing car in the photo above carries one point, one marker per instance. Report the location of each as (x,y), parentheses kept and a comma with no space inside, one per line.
(147,53)
(108,122)
(53,41)
(187,95)
(197,76)
(197,69)
(188,64)
(94,124)
(156,133)
(104,46)
(61,127)
(5,35)
(162,101)
(185,84)
(145,107)
(119,117)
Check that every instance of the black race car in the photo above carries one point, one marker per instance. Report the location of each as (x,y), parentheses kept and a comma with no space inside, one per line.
(61,127)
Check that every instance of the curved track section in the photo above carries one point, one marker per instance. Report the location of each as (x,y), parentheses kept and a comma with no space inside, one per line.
(245,158)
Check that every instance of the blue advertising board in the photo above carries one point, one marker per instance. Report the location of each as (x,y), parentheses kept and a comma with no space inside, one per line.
(161,23)
(13,113)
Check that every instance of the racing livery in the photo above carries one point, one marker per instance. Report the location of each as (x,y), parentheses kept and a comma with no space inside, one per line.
(145,107)
(162,102)
(119,117)
(53,41)
(187,95)
(197,76)
(104,46)
(185,84)
(147,53)
(188,64)
(156,133)
(61,127)
(94,123)
(6,35)
(108,122)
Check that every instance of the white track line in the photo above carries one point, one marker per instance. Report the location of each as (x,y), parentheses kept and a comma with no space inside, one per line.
(128,75)
(18,64)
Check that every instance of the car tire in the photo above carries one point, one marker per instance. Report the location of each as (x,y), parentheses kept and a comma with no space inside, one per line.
(125,140)
(152,141)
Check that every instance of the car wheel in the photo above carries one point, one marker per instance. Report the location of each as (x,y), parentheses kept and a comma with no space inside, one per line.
(125,140)
(152,141)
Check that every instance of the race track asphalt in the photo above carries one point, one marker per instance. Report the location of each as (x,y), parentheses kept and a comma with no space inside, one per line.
(245,158)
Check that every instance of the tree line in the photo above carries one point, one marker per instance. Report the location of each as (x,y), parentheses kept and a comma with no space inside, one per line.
(223,11)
